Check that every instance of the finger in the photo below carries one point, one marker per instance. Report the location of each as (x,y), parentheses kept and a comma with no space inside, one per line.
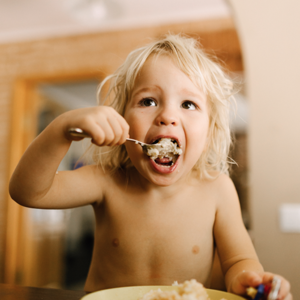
(118,125)
(100,132)
(284,292)
(108,133)
(98,135)
(117,131)
(288,297)
(250,278)
(125,128)
(267,277)
(245,280)
(285,288)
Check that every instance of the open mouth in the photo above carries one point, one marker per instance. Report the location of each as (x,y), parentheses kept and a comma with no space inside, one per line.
(166,154)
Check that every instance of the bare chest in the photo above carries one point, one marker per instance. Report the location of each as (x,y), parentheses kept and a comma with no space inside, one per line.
(167,238)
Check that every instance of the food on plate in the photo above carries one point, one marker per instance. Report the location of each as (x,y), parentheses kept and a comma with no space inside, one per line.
(189,290)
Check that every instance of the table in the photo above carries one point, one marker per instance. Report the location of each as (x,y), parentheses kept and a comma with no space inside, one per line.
(15,292)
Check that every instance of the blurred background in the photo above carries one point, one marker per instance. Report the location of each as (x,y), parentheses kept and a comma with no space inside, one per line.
(53,55)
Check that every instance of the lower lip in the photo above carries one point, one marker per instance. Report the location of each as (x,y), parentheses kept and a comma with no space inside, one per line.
(164,169)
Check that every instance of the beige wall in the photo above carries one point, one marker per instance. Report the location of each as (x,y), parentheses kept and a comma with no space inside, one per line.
(270,36)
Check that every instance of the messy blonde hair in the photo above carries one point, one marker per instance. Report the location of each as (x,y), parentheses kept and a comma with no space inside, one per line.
(203,71)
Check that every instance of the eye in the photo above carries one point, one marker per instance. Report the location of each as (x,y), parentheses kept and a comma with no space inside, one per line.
(189,105)
(147,102)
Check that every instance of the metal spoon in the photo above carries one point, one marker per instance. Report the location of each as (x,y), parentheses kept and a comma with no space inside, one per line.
(78,132)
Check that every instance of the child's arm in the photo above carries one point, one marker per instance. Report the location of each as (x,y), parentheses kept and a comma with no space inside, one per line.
(239,261)
(35,183)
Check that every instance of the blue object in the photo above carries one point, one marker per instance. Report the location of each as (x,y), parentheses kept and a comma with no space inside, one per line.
(260,292)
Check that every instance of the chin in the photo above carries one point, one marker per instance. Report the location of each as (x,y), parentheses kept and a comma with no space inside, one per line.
(163,179)
(157,174)
(163,183)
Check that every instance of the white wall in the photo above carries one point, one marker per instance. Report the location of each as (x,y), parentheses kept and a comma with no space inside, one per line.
(270,37)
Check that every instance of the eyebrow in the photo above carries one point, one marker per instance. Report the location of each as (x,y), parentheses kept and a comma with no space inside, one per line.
(200,95)
(189,93)
(146,89)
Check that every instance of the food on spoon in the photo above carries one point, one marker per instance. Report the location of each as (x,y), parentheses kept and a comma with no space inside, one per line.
(168,149)
(189,290)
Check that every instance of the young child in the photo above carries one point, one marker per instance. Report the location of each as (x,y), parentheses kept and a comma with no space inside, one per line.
(157,220)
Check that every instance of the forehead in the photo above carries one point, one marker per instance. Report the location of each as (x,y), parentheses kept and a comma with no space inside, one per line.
(159,61)
(164,70)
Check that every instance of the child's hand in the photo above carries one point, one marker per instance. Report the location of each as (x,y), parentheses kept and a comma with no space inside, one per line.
(104,125)
(247,279)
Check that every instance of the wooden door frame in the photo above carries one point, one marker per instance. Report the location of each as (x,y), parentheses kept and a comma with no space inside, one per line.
(23,131)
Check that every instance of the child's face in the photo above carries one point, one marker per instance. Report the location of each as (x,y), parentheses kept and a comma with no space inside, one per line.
(166,103)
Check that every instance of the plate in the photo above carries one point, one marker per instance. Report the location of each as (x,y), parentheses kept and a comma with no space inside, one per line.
(136,292)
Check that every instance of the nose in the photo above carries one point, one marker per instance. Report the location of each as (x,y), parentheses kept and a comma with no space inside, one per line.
(167,116)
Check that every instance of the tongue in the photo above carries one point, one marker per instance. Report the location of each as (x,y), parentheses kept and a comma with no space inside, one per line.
(164,160)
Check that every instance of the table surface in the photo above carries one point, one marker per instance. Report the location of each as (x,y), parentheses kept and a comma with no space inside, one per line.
(15,292)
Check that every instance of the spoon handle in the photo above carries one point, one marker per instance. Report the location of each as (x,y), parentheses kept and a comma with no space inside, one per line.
(78,132)
(136,141)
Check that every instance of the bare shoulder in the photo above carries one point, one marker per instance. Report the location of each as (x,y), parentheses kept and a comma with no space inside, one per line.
(225,185)
(222,190)
(221,185)
(226,199)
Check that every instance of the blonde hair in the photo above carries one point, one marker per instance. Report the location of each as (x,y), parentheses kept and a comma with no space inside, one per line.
(205,73)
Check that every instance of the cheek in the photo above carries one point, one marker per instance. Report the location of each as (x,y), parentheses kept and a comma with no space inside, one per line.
(136,131)
(199,128)
(137,125)
(197,139)
(135,154)
(131,149)
(132,120)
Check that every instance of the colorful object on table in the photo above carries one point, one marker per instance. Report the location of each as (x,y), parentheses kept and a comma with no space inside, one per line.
(275,288)
(251,292)
(265,292)
(260,292)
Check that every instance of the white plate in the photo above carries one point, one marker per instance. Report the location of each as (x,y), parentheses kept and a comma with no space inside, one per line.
(136,292)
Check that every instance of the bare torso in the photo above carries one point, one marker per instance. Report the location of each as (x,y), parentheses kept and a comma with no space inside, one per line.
(142,238)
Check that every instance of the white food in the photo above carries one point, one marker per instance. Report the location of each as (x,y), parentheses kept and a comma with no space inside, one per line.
(189,290)
(168,149)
